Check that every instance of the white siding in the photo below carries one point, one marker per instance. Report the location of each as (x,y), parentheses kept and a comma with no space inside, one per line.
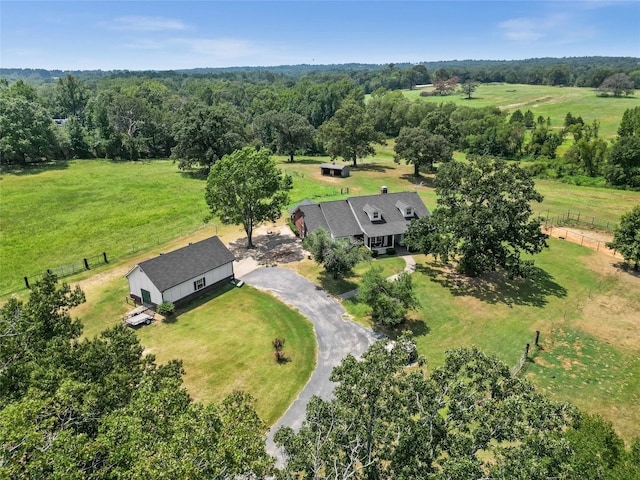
(138,281)
(174,294)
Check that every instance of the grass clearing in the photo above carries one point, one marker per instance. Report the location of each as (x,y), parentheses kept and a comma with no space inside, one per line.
(224,340)
(546,101)
(585,308)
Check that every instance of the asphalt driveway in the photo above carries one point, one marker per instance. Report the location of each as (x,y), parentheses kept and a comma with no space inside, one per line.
(335,335)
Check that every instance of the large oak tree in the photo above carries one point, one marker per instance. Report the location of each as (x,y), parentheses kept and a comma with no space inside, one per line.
(247,188)
(483,218)
(349,134)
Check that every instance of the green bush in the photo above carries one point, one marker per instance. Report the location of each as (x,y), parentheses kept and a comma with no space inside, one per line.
(293,228)
(391,251)
(374,253)
(166,308)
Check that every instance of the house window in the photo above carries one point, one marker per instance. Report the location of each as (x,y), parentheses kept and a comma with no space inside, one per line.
(408,212)
(377,242)
(199,284)
(375,215)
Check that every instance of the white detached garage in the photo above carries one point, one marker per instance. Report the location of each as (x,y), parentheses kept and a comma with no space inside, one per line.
(181,275)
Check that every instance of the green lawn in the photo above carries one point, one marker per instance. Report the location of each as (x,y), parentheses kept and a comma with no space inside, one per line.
(545,101)
(587,316)
(68,212)
(224,341)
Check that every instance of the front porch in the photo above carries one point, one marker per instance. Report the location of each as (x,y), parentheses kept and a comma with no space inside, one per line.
(380,244)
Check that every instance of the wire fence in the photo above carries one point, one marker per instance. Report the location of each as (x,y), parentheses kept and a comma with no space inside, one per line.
(69,269)
(518,367)
(575,219)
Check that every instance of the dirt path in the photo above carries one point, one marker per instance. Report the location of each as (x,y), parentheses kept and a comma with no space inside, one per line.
(587,238)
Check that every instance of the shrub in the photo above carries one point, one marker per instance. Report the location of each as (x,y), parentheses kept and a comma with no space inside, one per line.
(293,228)
(374,253)
(166,308)
(391,251)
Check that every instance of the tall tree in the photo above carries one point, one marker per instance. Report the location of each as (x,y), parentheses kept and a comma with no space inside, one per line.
(483,218)
(421,148)
(26,131)
(626,237)
(630,123)
(389,422)
(348,134)
(623,162)
(287,131)
(468,87)
(337,256)
(617,84)
(206,134)
(247,188)
(91,408)
(70,97)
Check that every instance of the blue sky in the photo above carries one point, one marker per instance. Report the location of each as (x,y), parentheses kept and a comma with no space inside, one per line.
(160,35)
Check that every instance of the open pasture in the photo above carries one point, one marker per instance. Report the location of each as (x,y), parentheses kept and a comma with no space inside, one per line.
(585,307)
(545,101)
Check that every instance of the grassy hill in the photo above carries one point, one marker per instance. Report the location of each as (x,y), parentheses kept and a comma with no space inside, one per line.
(545,101)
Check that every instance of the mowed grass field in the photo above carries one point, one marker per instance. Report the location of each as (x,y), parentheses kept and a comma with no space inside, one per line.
(586,308)
(545,101)
(64,213)
(224,341)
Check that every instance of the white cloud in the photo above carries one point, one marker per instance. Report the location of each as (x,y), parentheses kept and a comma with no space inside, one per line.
(552,29)
(532,29)
(219,47)
(146,24)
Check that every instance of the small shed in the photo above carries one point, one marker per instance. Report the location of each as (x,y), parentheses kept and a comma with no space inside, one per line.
(333,170)
(181,275)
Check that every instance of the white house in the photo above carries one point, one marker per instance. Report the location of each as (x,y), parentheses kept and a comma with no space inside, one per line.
(378,221)
(181,275)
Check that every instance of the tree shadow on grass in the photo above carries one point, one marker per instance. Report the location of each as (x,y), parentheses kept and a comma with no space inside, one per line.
(497,287)
(337,286)
(421,181)
(627,267)
(418,328)
(197,302)
(371,167)
(305,161)
(34,168)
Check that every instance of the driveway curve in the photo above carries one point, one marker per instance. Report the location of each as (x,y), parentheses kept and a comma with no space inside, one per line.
(335,335)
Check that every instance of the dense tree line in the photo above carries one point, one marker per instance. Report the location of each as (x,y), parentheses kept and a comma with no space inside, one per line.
(574,71)
(197,120)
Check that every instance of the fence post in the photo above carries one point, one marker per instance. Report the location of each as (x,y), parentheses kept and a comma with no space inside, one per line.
(578,217)
(537,337)
(86,264)
(26,282)
(104,254)
(526,351)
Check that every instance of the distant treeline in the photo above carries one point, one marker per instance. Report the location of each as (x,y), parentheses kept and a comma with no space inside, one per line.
(197,118)
(569,71)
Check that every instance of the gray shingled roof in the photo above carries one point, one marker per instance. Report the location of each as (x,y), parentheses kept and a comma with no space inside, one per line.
(306,201)
(340,219)
(333,166)
(345,218)
(173,268)
(393,220)
(313,217)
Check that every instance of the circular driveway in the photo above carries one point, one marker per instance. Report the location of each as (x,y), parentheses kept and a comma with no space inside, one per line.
(336,336)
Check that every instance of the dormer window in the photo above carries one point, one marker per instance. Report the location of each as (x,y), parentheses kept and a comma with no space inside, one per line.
(372,212)
(405,209)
